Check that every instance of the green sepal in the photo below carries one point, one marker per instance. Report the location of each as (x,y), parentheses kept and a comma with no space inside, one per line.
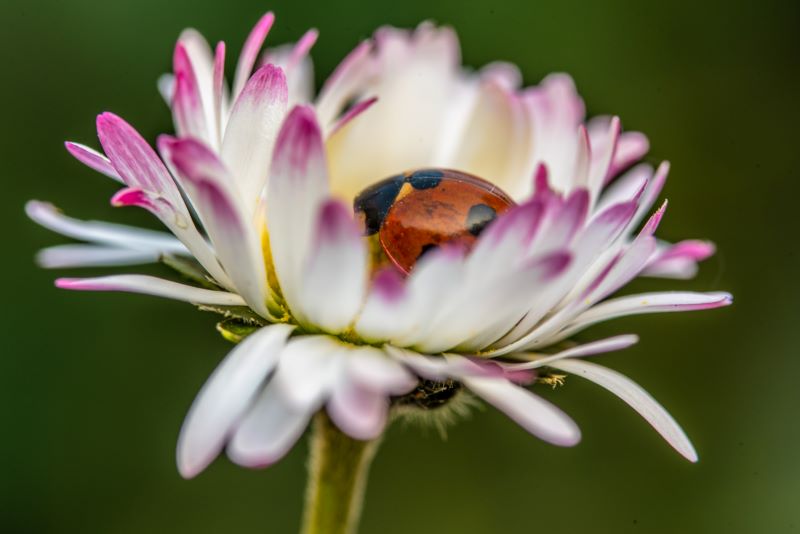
(242,314)
(235,330)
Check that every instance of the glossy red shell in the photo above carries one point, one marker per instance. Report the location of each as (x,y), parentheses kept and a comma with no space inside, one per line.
(418,211)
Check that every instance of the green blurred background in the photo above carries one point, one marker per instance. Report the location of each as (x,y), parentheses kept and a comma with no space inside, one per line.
(93,387)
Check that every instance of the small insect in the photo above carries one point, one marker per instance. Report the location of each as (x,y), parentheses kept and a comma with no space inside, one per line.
(418,211)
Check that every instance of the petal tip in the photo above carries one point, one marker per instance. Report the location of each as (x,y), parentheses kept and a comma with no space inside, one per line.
(67,283)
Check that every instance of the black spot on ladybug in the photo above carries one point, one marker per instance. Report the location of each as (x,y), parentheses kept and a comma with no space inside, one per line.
(479,216)
(375,201)
(426,179)
(427,248)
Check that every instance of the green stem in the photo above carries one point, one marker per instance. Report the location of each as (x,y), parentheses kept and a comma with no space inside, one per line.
(337,475)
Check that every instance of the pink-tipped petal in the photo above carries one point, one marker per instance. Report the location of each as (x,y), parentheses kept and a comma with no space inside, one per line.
(297,188)
(626,188)
(226,396)
(562,222)
(603,233)
(93,159)
(530,411)
(252,130)
(637,398)
(603,157)
(335,276)
(502,296)
(650,193)
(207,183)
(631,147)
(432,286)
(514,297)
(299,74)
(623,149)
(628,264)
(179,223)
(672,301)
(583,160)
(150,285)
(219,96)
(137,163)
(247,58)
(557,111)
(680,260)
(339,87)
(302,48)
(359,412)
(188,106)
(350,114)
(387,308)
(502,246)
(201,58)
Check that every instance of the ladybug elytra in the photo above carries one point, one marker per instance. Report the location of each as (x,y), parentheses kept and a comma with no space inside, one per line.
(418,211)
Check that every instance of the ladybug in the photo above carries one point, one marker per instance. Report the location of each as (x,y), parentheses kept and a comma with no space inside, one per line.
(418,211)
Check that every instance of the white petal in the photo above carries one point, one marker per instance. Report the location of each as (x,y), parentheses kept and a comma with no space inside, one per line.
(495,141)
(225,397)
(587,349)
(61,256)
(530,411)
(166,87)
(309,369)
(105,233)
(637,398)
(415,76)
(430,367)
(269,430)
(150,285)
(377,371)
(336,275)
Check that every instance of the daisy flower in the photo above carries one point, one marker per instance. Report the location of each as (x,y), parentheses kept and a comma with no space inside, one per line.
(258,190)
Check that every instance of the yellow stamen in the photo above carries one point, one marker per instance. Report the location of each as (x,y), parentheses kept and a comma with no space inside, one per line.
(552,379)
